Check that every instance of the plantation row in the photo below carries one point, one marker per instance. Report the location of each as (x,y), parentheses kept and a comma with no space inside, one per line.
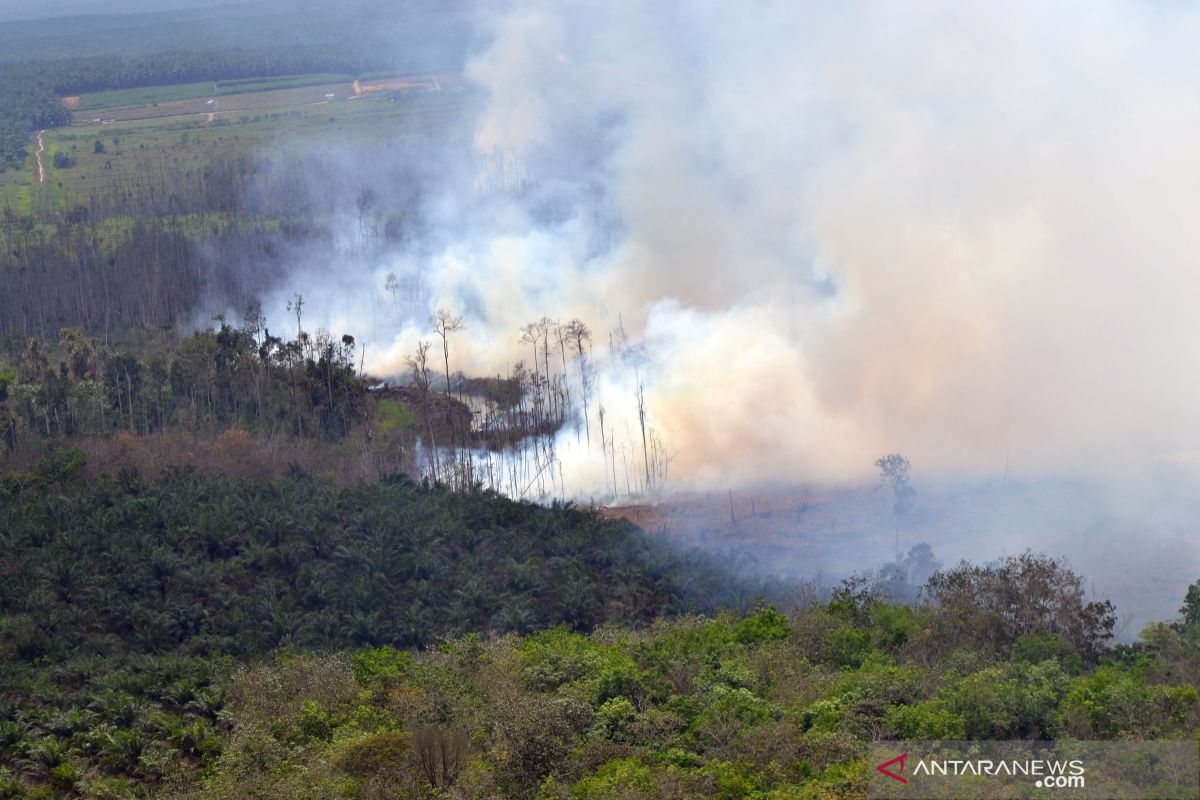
(125,603)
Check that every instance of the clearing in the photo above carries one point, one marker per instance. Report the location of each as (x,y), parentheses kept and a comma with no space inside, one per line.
(123,145)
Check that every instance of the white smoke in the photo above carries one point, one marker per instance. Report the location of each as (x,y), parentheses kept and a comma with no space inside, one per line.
(960,230)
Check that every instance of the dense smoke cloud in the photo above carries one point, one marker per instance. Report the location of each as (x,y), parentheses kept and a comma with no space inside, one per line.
(958,230)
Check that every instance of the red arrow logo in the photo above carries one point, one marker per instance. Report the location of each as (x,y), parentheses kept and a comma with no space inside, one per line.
(897,760)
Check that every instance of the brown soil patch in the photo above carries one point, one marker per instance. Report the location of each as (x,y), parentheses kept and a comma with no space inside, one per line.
(71,102)
(391,85)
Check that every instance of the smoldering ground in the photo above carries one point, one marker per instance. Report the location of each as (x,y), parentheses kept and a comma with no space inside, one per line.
(961,231)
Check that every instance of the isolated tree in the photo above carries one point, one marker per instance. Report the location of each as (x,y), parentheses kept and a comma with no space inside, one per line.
(33,363)
(893,472)
(418,366)
(296,306)
(635,356)
(392,284)
(444,324)
(578,334)
(254,322)
(641,406)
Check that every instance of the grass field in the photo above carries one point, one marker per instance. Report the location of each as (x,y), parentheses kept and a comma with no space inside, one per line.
(184,135)
(211,103)
(244,85)
(146,100)
(145,96)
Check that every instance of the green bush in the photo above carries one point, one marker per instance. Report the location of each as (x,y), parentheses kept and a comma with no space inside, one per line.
(927,720)
(315,723)
(374,754)
(846,647)
(766,625)
(621,779)
(1033,648)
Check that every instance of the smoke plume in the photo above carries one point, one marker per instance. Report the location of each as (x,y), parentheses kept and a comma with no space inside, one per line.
(957,230)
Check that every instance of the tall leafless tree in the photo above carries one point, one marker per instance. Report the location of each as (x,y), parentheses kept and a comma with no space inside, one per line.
(579,335)
(893,472)
(296,306)
(445,323)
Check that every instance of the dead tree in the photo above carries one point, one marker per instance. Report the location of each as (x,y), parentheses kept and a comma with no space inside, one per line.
(444,324)
(418,366)
(893,471)
(578,333)
(442,754)
(296,306)
(392,285)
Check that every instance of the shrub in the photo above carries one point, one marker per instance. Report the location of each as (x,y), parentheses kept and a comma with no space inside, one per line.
(375,754)
(621,779)
(766,625)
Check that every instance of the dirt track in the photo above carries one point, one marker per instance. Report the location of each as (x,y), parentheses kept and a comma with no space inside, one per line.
(37,154)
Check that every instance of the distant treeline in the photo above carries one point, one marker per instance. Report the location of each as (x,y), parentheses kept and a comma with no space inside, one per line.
(149,274)
(210,382)
(30,92)
(416,31)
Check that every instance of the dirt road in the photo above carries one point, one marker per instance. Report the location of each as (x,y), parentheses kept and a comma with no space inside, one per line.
(37,154)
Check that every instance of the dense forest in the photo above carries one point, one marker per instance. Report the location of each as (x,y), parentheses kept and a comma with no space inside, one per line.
(140,595)
(207,383)
(205,637)
(759,706)
(412,29)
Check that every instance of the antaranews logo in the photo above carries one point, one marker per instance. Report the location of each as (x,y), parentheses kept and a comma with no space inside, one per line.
(1002,769)
(1045,773)
(897,764)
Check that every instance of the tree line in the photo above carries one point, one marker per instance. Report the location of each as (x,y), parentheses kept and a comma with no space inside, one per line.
(208,382)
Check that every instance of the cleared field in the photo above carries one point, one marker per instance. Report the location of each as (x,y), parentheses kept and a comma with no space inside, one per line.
(146,96)
(214,104)
(187,135)
(401,83)
(243,85)
(241,93)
